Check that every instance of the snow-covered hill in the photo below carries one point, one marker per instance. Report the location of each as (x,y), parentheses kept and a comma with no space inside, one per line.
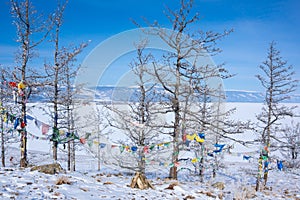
(238,179)
(236,174)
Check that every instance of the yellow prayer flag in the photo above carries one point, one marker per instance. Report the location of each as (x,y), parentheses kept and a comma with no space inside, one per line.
(198,139)
(95,142)
(61,132)
(21,85)
(191,137)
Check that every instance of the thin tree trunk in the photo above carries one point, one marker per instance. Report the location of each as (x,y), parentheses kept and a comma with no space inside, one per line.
(69,155)
(265,177)
(176,107)
(259,173)
(2,144)
(55,108)
(201,173)
(56,93)
(217,129)
(25,57)
(98,148)
(73,167)
(204,111)
(2,131)
(173,169)
(266,166)
(69,142)
(55,142)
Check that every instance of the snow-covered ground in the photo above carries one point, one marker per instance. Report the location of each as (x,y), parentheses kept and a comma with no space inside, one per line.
(108,183)
(111,182)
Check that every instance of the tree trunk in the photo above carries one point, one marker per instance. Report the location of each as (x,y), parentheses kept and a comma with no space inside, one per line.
(23,161)
(142,161)
(265,177)
(73,166)
(69,155)
(2,144)
(173,169)
(266,168)
(259,173)
(176,107)
(201,172)
(25,57)
(257,184)
(55,144)
(173,172)
(98,150)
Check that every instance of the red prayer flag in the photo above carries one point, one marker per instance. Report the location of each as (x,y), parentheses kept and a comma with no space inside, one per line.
(13,84)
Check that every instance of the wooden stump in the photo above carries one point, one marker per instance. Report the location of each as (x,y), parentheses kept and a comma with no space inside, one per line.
(141,182)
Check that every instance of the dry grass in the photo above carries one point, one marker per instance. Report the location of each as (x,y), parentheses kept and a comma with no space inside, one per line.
(172,185)
(244,192)
(84,189)
(108,183)
(63,180)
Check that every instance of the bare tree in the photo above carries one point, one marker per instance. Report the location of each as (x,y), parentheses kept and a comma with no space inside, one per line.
(2,125)
(8,108)
(4,107)
(55,76)
(60,75)
(206,115)
(290,144)
(30,26)
(138,120)
(68,99)
(278,82)
(175,73)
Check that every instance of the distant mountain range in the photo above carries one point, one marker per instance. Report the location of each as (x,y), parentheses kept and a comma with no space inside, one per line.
(105,93)
(253,96)
(111,93)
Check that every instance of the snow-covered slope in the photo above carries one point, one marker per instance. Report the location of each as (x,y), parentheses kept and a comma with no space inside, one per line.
(111,182)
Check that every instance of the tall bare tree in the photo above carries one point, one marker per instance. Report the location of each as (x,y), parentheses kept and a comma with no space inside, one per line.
(8,107)
(32,29)
(60,75)
(55,75)
(278,82)
(4,107)
(138,121)
(2,123)
(69,104)
(176,72)
(204,112)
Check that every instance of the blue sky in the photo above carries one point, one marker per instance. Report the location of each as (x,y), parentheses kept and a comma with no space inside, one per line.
(256,23)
